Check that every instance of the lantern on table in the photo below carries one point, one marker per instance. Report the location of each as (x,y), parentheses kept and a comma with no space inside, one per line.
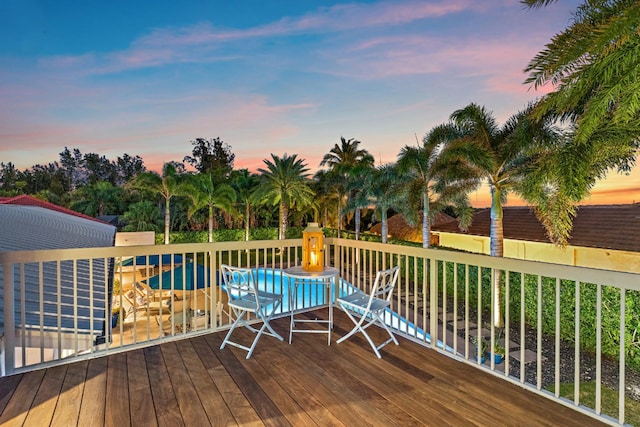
(312,248)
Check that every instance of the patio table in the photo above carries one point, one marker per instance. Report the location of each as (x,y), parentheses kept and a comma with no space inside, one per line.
(326,278)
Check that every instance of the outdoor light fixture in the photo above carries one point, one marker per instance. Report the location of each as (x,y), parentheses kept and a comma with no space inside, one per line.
(312,248)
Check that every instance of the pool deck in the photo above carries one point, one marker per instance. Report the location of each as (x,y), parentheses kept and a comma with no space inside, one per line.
(192,382)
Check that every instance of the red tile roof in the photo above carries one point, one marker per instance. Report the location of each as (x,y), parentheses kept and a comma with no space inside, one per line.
(399,228)
(614,227)
(27,200)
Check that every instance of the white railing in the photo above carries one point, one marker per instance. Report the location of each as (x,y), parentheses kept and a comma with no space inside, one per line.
(558,319)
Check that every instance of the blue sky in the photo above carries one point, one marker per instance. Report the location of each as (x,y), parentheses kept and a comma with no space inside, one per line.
(147,77)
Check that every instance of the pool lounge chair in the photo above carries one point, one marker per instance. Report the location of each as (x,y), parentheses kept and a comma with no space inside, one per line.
(133,305)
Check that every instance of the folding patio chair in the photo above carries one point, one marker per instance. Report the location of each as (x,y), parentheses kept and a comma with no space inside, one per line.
(370,307)
(244,297)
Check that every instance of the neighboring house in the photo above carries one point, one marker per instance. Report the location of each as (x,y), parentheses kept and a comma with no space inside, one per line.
(398,228)
(27,200)
(31,225)
(603,236)
(111,219)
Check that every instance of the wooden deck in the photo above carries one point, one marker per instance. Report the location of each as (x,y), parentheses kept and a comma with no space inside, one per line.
(193,383)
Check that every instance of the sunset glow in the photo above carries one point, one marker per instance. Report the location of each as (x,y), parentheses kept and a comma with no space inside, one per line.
(146,78)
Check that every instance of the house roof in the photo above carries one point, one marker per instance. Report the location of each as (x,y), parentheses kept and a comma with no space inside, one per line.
(615,227)
(27,200)
(34,227)
(399,228)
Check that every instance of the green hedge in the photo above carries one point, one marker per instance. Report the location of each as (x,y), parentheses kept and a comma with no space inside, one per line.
(610,305)
(228,235)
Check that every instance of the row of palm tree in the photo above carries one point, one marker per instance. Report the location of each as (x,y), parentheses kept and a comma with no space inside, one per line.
(453,159)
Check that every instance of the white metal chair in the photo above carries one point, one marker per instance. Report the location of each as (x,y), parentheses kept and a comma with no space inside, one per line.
(368,309)
(244,297)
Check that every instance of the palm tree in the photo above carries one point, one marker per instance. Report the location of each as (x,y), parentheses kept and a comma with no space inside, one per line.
(245,183)
(358,194)
(504,157)
(425,175)
(142,216)
(594,68)
(341,161)
(594,65)
(170,184)
(285,182)
(382,184)
(98,199)
(326,195)
(207,194)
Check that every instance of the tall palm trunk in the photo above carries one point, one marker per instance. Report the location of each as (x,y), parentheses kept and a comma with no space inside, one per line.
(426,232)
(384,225)
(247,212)
(210,223)
(339,216)
(497,250)
(326,216)
(167,221)
(357,221)
(284,214)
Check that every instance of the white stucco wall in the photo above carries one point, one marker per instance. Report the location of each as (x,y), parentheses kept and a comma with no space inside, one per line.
(606,259)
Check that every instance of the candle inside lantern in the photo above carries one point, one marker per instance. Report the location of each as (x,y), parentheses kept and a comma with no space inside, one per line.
(312,248)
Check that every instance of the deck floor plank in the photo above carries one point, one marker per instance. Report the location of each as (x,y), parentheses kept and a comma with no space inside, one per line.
(140,398)
(438,406)
(338,407)
(94,395)
(209,395)
(396,381)
(7,388)
(270,414)
(68,408)
(366,367)
(313,369)
(164,399)
(47,396)
(329,359)
(236,402)
(117,391)
(305,395)
(184,390)
(17,409)
(270,384)
(193,382)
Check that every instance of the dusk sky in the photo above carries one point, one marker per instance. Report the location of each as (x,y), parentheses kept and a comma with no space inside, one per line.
(148,77)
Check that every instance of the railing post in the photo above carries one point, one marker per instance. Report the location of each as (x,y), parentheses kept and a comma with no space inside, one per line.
(433,302)
(9,322)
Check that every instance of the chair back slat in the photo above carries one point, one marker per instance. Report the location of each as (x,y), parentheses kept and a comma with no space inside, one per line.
(385,283)
(239,282)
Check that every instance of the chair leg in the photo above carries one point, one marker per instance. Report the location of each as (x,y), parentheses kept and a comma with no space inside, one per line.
(356,328)
(266,319)
(360,328)
(239,319)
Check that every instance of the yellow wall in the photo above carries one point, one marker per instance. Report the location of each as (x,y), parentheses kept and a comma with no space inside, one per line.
(606,259)
(136,238)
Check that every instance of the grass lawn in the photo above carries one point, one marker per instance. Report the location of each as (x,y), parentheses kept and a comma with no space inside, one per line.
(609,401)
